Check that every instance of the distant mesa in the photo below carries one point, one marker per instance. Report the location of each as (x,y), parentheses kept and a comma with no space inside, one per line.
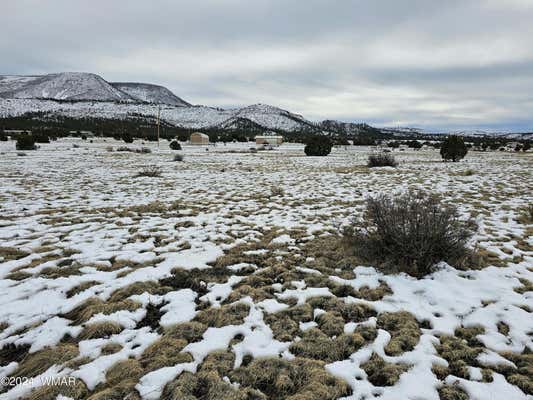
(150,93)
(82,86)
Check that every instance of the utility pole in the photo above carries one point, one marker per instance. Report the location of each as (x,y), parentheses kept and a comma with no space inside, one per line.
(158,118)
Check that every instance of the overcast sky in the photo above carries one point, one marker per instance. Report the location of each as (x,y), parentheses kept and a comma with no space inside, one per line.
(442,64)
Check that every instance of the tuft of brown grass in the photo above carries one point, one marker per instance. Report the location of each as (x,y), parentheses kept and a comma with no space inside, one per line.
(527,286)
(59,272)
(95,305)
(205,386)
(317,345)
(36,363)
(285,324)
(232,314)
(331,323)
(78,390)
(120,382)
(403,329)
(137,288)
(111,348)
(80,288)
(381,373)
(11,253)
(351,312)
(452,392)
(299,379)
(12,353)
(102,329)
(190,331)
(220,361)
(164,352)
(150,171)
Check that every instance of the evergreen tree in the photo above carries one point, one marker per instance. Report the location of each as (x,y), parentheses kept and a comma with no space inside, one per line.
(318,146)
(453,148)
(174,145)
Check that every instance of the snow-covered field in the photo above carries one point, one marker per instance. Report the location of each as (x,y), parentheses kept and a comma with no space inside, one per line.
(223,279)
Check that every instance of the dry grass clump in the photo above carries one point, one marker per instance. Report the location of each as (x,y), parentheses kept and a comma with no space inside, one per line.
(11,253)
(80,288)
(524,217)
(94,305)
(36,363)
(78,390)
(527,286)
(137,288)
(277,191)
(111,348)
(220,361)
(232,314)
(150,171)
(102,329)
(11,353)
(18,275)
(381,373)
(317,345)
(460,350)
(452,392)
(344,290)
(205,386)
(195,279)
(60,271)
(257,294)
(351,312)
(120,383)
(165,352)
(285,324)
(207,383)
(299,379)
(403,329)
(374,294)
(410,232)
(282,326)
(330,253)
(331,323)
(190,331)
(520,377)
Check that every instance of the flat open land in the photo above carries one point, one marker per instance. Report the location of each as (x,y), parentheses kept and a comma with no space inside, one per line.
(226,277)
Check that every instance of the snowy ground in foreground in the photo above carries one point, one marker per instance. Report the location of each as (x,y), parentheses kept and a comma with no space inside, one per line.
(83,227)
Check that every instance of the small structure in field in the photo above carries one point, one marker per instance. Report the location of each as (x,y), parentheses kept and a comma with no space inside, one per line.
(274,140)
(199,138)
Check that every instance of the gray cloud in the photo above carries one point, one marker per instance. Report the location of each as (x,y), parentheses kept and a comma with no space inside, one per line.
(453,64)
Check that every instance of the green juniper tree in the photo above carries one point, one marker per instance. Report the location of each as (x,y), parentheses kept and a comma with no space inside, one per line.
(453,148)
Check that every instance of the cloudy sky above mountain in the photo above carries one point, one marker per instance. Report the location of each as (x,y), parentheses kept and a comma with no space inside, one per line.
(455,64)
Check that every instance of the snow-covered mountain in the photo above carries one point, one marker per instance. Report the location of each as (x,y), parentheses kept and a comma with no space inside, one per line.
(86,95)
(260,117)
(149,93)
(83,95)
(62,86)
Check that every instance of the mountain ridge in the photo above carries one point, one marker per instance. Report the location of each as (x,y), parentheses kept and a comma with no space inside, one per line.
(88,95)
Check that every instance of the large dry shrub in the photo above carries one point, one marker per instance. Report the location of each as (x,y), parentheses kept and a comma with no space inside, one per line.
(381,160)
(410,232)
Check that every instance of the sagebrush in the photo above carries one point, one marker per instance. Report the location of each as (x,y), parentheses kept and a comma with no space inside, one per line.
(410,232)
(381,160)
